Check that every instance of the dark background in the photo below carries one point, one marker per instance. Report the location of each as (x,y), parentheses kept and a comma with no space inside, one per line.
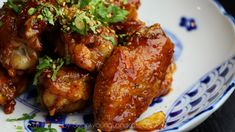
(223,120)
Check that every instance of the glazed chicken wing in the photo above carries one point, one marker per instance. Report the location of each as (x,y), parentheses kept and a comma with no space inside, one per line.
(69,92)
(30,26)
(9,89)
(7,93)
(88,52)
(15,56)
(131,78)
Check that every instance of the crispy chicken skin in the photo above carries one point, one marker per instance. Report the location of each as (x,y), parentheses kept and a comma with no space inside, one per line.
(9,89)
(30,27)
(88,52)
(131,78)
(15,56)
(69,92)
(7,93)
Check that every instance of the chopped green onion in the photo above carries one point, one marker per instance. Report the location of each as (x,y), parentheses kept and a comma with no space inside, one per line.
(40,17)
(124,2)
(48,15)
(110,38)
(47,63)
(31,11)
(57,68)
(83,3)
(13,6)
(24,117)
(19,127)
(99,12)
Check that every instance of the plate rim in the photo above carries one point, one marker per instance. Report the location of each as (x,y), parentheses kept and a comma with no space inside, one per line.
(202,116)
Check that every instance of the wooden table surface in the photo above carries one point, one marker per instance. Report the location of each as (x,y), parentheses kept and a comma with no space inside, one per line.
(223,120)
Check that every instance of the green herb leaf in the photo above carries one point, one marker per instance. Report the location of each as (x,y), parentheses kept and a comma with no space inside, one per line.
(19,127)
(110,38)
(93,28)
(40,17)
(48,15)
(83,3)
(42,129)
(47,63)
(31,11)
(13,6)
(44,63)
(124,2)
(107,13)
(60,63)
(118,14)
(81,24)
(100,12)
(122,38)
(80,130)
(24,117)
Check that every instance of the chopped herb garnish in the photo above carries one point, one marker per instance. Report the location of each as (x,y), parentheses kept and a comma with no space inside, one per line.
(19,127)
(118,14)
(40,17)
(110,38)
(31,11)
(79,16)
(42,129)
(107,13)
(1,23)
(93,28)
(121,38)
(13,6)
(48,15)
(24,117)
(83,3)
(47,63)
(124,2)
(83,22)
(80,130)
(98,12)
(80,22)
(55,68)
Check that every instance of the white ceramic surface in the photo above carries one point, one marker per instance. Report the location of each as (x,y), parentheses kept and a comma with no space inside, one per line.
(200,51)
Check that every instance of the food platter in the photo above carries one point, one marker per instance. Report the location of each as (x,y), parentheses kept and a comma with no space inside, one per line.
(204,38)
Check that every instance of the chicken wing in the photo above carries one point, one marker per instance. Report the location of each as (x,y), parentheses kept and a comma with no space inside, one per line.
(131,78)
(30,27)
(69,92)
(88,52)
(15,55)
(9,89)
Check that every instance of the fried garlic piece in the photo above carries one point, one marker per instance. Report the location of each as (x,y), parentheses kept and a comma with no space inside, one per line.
(153,122)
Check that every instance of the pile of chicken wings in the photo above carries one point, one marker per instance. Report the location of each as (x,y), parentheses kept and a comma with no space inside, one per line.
(120,67)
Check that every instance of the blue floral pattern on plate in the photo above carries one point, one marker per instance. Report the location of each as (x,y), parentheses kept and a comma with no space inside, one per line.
(188,23)
(202,96)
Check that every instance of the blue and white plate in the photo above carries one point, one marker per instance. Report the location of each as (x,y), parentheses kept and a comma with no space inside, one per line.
(204,36)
